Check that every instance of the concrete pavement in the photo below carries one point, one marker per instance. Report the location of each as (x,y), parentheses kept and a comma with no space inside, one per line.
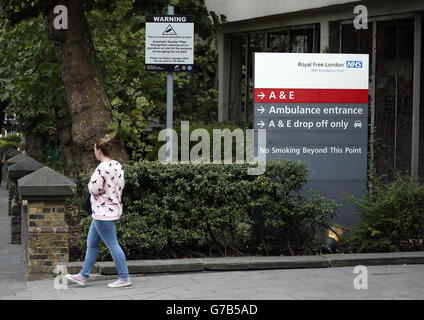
(11,267)
(384,282)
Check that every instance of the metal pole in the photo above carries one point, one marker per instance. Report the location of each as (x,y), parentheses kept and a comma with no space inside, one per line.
(373,88)
(416,99)
(169,105)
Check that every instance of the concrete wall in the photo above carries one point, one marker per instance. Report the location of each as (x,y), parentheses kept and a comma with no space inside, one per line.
(237,10)
(320,14)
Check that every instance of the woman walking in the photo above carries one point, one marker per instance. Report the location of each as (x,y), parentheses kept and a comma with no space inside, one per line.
(105,186)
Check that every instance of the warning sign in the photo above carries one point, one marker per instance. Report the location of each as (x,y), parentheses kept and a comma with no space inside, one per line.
(169,43)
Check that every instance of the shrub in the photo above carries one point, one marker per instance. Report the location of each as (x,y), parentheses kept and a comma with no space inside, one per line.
(11,141)
(392,218)
(287,213)
(181,210)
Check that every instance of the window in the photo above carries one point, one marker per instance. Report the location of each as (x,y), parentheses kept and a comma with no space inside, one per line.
(243,46)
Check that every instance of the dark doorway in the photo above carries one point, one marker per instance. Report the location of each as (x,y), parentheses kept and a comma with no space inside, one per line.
(394,93)
(393,89)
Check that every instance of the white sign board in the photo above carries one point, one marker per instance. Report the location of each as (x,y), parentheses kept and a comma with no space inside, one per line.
(315,110)
(169,43)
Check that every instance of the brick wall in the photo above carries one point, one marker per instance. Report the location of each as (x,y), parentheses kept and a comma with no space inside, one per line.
(11,188)
(47,237)
(15,210)
(24,233)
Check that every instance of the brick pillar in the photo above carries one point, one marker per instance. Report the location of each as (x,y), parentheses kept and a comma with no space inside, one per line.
(12,157)
(45,233)
(9,156)
(11,194)
(18,169)
(15,213)
(48,237)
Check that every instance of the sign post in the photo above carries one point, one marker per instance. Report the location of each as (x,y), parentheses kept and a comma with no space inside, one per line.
(169,105)
(169,48)
(315,110)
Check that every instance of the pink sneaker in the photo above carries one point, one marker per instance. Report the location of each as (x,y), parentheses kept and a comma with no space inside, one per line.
(76,279)
(119,283)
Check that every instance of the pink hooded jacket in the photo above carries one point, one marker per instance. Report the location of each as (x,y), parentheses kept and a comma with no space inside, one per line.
(106,185)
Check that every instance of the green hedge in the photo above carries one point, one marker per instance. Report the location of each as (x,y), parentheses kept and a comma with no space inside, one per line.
(392,218)
(188,210)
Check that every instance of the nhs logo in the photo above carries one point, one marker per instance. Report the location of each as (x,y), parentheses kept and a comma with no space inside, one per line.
(353,64)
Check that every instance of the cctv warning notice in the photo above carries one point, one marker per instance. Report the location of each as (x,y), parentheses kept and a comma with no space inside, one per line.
(169,43)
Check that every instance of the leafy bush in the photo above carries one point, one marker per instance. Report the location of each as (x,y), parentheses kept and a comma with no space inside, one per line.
(30,72)
(30,82)
(182,210)
(136,94)
(392,218)
(11,141)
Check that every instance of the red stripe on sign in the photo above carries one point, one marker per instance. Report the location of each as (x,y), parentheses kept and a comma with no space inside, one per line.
(311,96)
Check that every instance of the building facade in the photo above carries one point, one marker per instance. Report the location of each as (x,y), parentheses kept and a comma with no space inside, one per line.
(393,40)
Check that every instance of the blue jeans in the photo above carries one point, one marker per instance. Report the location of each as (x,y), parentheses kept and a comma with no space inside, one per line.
(104,230)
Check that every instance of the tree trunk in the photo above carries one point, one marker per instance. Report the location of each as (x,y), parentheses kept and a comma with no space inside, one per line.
(68,148)
(87,103)
(34,147)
